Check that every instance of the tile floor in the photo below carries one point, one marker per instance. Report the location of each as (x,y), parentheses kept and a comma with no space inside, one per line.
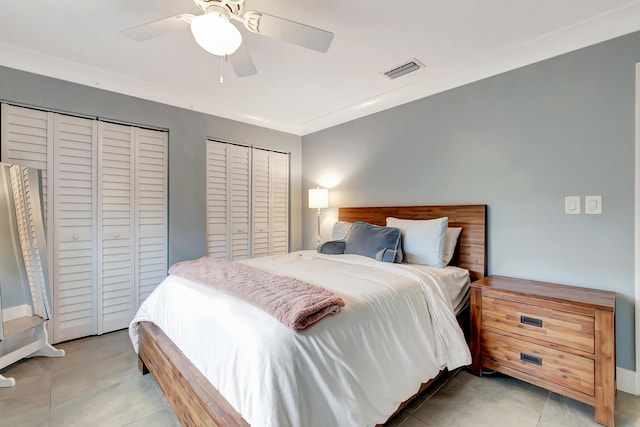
(98,384)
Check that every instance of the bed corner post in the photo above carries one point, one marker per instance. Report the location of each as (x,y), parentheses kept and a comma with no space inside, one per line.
(142,367)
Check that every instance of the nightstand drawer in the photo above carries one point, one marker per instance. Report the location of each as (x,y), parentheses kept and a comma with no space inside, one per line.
(569,370)
(554,326)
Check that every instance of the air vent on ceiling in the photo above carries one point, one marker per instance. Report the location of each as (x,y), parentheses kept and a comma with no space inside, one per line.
(403,69)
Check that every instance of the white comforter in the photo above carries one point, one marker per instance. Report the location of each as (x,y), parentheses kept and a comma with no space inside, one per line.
(396,331)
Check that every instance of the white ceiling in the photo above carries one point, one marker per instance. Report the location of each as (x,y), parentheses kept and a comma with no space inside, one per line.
(298,90)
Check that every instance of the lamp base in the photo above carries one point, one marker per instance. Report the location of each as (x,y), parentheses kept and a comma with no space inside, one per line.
(318,235)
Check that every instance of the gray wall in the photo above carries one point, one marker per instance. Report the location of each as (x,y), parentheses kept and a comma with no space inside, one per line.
(519,142)
(188,131)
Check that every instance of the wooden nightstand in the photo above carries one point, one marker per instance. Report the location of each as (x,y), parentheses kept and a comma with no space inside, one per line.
(558,337)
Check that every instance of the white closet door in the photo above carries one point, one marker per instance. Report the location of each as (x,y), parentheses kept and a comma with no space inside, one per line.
(25,134)
(74,245)
(228,200)
(261,202)
(279,202)
(239,173)
(217,197)
(108,210)
(115,227)
(247,201)
(151,210)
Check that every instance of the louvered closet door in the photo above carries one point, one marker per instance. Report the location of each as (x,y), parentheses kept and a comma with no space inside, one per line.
(217,197)
(247,201)
(115,222)
(239,173)
(25,136)
(228,200)
(74,245)
(279,202)
(151,210)
(261,202)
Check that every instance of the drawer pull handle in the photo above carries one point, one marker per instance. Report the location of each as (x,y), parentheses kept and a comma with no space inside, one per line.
(531,359)
(532,321)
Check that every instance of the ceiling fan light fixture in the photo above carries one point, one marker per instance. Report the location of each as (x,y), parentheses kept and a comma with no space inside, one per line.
(215,34)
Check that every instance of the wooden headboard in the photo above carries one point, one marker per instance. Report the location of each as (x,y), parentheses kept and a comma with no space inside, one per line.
(472,243)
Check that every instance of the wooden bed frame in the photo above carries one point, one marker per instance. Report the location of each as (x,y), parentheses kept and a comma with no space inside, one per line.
(197,403)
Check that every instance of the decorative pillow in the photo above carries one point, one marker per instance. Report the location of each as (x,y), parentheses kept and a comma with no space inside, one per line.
(389,255)
(340,230)
(423,241)
(450,243)
(332,247)
(381,243)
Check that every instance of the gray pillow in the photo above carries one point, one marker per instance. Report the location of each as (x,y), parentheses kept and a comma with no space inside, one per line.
(333,247)
(381,243)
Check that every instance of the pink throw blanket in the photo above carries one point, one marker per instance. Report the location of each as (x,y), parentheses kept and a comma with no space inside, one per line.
(296,304)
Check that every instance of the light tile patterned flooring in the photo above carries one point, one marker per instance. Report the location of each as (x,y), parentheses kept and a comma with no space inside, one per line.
(98,384)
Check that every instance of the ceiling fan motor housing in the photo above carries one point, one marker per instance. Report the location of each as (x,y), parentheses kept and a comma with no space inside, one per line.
(233,6)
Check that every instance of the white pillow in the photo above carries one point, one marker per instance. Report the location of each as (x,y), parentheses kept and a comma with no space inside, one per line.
(450,243)
(423,241)
(340,230)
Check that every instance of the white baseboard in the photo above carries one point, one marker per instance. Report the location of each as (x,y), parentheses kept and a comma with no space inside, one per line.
(11,313)
(626,381)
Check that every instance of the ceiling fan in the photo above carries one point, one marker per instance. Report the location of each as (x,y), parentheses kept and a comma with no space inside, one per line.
(215,33)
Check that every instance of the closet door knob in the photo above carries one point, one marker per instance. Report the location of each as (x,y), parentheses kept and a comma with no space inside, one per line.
(76,237)
(117,236)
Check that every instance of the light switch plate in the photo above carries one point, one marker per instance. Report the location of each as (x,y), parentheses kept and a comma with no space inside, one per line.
(572,205)
(593,205)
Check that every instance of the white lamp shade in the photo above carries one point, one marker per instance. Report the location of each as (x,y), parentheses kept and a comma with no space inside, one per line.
(318,198)
(215,34)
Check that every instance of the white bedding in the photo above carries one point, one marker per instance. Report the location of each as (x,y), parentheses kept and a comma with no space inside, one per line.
(396,331)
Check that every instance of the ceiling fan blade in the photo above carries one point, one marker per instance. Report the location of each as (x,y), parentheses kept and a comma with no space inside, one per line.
(292,32)
(157,28)
(242,63)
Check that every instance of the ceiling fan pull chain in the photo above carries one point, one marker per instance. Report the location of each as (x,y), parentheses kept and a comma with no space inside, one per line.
(222,58)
